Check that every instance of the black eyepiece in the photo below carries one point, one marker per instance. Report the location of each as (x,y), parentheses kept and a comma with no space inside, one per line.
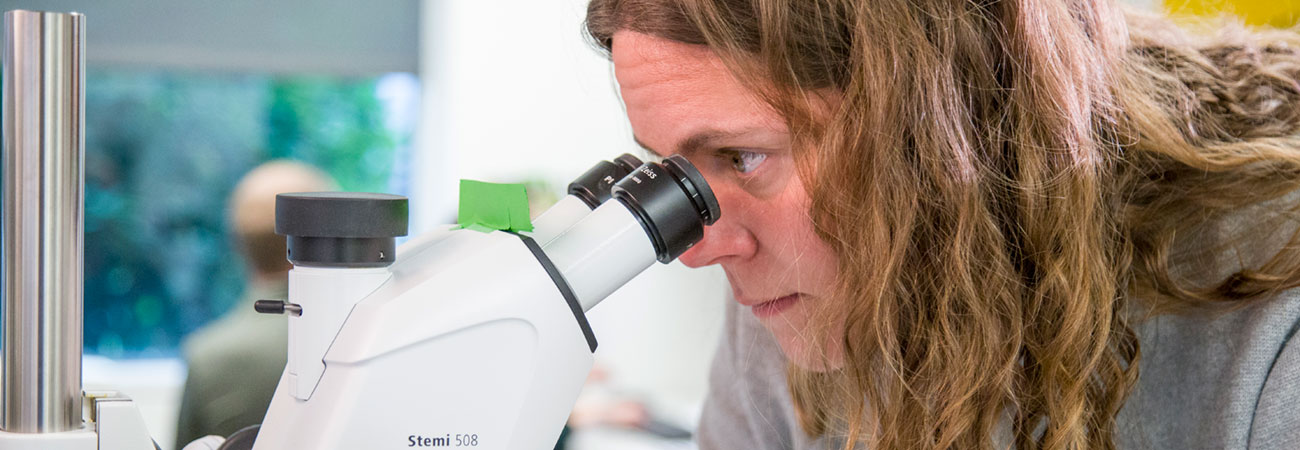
(593,187)
(672,201)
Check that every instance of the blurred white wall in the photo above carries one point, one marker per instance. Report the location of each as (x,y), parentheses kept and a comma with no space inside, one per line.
(514,92)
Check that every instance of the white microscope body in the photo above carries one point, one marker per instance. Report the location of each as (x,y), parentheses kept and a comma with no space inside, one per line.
(471,339)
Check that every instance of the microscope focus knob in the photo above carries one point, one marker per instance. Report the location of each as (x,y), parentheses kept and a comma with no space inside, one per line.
(341,229)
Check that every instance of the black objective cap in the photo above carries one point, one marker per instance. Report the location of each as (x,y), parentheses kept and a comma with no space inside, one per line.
(594,185)
(341,229)
(673,203)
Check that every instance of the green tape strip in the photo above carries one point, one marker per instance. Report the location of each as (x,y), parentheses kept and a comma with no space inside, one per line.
(486,207)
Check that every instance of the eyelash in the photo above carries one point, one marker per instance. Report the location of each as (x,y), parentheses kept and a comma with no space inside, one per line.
(737,159)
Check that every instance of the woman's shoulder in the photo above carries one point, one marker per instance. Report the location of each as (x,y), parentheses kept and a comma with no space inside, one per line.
(1224,380)
(1276,421)
(1213,379)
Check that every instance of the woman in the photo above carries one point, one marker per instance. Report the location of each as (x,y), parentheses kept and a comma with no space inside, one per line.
(976,224)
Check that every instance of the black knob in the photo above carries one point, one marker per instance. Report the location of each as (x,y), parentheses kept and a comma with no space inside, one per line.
(341,229)
(277,307)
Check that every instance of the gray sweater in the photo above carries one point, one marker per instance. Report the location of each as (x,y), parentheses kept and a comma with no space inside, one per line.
(1227,381)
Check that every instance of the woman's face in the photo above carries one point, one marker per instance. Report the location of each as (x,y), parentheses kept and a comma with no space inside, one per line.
(680,99)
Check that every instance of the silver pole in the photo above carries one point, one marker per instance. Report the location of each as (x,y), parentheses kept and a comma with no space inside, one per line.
(44,78)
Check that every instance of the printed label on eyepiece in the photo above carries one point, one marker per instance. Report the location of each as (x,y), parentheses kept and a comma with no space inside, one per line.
(648,172)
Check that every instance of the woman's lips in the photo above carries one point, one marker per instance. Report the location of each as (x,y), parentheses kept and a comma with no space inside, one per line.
(776,306)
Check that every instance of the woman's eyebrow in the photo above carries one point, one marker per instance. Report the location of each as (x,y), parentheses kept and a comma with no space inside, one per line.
(701,140)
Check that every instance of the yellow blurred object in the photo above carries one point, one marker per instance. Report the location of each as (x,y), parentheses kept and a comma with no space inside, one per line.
(1278,13)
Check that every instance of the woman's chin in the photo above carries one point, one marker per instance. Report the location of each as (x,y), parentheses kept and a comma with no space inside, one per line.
(807,354)
(807,346)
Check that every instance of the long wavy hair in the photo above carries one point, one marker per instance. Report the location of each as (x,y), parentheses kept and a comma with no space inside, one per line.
(1002,180)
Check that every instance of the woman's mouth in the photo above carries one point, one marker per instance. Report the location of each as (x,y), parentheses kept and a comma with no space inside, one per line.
(776,306)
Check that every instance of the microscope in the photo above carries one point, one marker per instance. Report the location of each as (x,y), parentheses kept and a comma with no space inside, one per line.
(463,337)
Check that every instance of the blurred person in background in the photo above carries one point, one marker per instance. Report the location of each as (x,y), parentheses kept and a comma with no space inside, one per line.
(236,361)
(980,224)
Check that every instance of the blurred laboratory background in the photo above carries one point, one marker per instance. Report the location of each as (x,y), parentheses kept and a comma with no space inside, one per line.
(184,97)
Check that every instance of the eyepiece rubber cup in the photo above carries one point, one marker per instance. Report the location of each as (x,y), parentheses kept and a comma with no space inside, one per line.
(696,188)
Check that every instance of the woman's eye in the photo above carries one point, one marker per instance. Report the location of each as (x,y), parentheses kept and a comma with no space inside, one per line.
(745,162)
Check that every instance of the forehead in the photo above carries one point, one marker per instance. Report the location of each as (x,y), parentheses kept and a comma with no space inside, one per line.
(662,56)
(658,70)
(674,91)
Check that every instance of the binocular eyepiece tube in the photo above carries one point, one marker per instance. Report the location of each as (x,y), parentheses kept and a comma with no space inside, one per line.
(658,212)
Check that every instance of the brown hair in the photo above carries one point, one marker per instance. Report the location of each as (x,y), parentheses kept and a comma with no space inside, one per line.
(999,180)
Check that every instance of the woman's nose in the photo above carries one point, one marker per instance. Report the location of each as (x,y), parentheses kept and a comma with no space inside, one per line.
(727,239)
